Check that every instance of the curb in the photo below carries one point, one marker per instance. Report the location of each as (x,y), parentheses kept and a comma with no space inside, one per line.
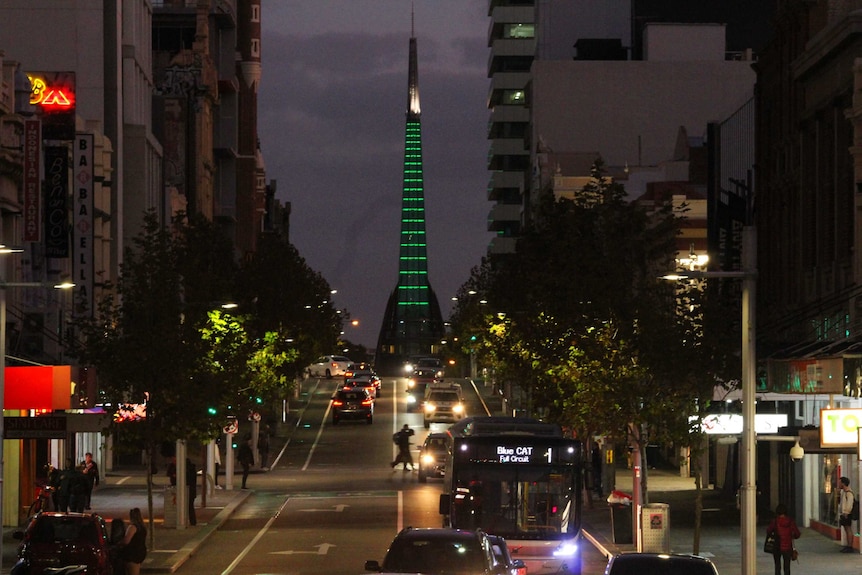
(178,558)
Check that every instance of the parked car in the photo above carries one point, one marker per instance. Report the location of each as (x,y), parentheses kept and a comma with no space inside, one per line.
(659,564)
(436,551)
(504,557)
(352,403)
(432,456)
(53,539)
(330,365)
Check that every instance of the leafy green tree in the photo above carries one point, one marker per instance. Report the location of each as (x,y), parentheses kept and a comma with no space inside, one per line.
(287,297)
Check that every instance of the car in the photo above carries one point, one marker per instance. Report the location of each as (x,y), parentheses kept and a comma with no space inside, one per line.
(54,539)
(504,557)
(366,375)
(329,365)
(439,551)
(659,564)
(372,386)
(352,403)
(417,362)
(443,403)
(432,456)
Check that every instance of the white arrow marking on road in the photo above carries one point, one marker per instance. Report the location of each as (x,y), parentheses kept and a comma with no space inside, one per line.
(322,549)
(337,508)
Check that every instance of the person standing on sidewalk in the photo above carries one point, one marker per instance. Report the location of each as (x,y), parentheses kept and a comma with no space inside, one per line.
(785,530)
(91,472)
(245,456)
(263,447)
(845,508)
(134,544)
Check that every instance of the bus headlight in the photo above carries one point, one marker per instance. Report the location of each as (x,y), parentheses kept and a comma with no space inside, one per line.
(566,549)
(458,408)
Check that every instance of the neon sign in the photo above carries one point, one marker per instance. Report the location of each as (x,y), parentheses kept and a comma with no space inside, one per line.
(50,96)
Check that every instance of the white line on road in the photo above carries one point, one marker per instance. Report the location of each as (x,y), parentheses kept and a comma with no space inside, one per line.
(254,541)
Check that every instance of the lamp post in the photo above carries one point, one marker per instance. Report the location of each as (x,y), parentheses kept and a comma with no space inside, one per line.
(748,460)
(3,286)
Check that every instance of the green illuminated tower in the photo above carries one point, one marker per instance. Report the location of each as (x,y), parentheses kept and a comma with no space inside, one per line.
(412,324)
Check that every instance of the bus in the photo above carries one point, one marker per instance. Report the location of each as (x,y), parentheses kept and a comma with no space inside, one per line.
(520,479)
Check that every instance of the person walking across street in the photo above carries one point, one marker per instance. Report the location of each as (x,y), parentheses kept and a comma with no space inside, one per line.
(245,456)
(845,508)
(785,530)
(134,544)
(91,473)
(402,440)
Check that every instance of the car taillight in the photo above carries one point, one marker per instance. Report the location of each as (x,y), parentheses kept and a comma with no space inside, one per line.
(367,402)
(336,403)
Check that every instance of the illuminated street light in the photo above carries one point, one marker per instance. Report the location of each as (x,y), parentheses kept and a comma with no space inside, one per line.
(748,490)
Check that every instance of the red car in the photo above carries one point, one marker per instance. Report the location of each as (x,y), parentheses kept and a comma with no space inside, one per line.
(61,539)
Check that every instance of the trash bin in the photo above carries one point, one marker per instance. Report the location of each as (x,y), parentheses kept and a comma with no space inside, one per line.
(655,528)
(621,523)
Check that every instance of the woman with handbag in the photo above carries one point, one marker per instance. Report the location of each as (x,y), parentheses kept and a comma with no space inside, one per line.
(785,530)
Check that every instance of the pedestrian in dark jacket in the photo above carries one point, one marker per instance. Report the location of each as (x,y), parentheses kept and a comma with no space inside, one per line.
(402,440)
(91,472)
(245,456)
(785,530)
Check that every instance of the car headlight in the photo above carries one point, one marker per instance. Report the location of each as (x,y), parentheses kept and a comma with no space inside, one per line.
(428,459)
(411,383)
(411,399)
(429,407)
(458,408)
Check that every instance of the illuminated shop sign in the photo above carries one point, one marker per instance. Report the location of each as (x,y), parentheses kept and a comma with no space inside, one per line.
(839,427)
(53,96)
(731,423)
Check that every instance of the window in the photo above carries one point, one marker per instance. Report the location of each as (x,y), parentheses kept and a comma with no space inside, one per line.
(519,31)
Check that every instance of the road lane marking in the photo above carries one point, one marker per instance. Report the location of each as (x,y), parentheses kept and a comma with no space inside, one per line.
(322,549)
(254,541)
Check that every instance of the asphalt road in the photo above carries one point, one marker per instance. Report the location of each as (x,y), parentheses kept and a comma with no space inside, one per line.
(332,501)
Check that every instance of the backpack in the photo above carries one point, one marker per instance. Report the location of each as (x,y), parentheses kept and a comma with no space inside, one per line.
(854,513)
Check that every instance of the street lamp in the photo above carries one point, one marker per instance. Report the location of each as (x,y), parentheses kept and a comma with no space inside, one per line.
(748,491)
(3,286)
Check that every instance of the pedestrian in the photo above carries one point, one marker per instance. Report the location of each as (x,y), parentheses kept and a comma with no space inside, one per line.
(402,440)
(596,455)
(91,473)
(217,460)
(263,447)
(171,471)
(191,483)
(785,530)
(78,490)
(134,543)
(115,545)
(245,456)
(845,508)
(64,486)
(54,485)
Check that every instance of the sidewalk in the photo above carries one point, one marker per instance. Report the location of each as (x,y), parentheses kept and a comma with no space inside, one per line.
(124,489)
(720,538)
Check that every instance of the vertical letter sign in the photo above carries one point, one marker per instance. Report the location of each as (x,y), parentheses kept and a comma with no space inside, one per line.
(56,208)
(32,177)
(82,205)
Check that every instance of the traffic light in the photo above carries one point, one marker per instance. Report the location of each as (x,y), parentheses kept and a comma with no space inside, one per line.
(212,410)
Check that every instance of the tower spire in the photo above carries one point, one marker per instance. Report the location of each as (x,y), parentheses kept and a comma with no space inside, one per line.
(412,323)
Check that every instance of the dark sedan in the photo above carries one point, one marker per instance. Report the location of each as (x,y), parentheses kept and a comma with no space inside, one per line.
(352,403)
(659,564)
(432,456)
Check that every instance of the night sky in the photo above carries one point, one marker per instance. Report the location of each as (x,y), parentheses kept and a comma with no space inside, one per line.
(332,109)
